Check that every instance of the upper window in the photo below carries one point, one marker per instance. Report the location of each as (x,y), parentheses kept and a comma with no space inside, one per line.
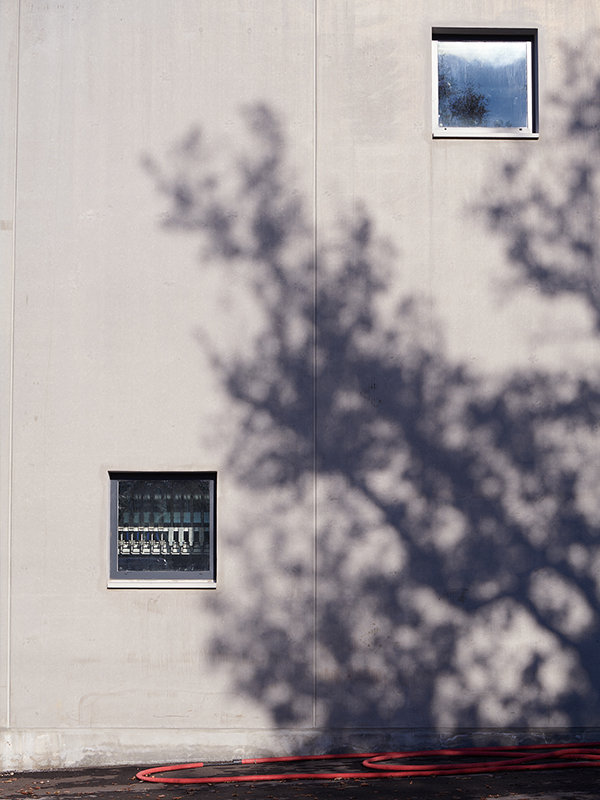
(484,83)
(162,529)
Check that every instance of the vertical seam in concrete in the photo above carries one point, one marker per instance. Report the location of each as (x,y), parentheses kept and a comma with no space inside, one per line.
(315,311)
(9,507)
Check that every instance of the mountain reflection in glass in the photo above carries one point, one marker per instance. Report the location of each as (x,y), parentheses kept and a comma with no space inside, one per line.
(482,84)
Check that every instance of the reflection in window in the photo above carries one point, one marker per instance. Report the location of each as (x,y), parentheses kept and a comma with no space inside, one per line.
(483,84)
(162,527)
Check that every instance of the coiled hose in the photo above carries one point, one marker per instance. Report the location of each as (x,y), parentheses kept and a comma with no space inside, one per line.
(489,759)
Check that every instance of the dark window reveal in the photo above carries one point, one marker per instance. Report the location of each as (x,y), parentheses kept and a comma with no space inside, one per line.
(484,84)
(163,528)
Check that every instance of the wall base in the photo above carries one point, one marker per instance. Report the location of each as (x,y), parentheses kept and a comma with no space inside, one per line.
(29,750)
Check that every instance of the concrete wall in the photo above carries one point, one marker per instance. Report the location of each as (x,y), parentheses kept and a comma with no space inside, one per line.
(407,509)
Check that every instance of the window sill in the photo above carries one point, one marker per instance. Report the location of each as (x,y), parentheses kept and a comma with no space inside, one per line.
(483,133)
(177,583)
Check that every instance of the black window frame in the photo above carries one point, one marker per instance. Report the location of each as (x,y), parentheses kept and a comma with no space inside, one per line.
(119,577)
(527,35)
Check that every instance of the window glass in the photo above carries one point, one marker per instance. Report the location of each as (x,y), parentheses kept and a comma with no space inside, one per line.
(483,85)
(162,527)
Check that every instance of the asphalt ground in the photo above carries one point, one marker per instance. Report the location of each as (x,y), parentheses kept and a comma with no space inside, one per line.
(106,783)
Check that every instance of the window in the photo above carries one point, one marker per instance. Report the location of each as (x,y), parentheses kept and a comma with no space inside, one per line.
(484,83)
(162,530)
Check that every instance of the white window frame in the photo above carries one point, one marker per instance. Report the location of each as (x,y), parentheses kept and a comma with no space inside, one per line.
(529,38)
(153,579)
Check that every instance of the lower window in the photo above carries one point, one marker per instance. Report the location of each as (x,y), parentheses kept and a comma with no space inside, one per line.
(162,530)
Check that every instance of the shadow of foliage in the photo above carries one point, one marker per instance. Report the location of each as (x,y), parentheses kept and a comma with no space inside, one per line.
(422,548)
(547,208)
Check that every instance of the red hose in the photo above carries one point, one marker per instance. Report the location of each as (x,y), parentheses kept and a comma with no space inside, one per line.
(503,759)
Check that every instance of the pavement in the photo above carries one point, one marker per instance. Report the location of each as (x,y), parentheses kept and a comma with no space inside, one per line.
(120,782)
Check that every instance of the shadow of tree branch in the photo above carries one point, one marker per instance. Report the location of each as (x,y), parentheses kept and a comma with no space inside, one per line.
(547,208)
(457,525)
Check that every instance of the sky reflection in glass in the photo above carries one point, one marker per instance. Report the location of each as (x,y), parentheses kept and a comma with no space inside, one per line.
(482,84)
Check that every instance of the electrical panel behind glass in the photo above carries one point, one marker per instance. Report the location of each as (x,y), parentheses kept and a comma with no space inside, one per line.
(163,529)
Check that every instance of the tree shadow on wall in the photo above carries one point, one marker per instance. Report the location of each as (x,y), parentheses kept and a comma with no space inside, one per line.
(547,208)
(458,525)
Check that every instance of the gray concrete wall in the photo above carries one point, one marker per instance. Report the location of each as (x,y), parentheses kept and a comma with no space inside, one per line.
(407,508)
